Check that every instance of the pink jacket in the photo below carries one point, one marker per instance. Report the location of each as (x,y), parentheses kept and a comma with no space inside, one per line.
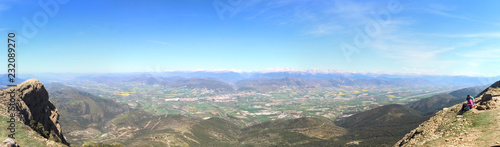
(470,103)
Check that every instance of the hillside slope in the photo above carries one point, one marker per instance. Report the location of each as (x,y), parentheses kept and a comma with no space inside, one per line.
(478,127)
(306,131)
(81,110)
(385,125)
(433,104)
(382,126)
(139,128)
(25,136)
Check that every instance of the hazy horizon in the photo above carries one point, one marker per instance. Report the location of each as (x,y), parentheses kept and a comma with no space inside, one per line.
(270,70)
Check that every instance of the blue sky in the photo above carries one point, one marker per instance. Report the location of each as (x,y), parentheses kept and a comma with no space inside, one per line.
(99,36)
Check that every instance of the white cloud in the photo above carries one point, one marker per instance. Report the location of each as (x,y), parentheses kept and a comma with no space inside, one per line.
(324,29)
(349,10)
(419,71)
(158,42)
(399,40)
(470,35)
(493,53)
(424,54)
(445,11)
(280,69)
(80,33)
(4,4)
(206,70)
(442,7)
(456,13)
(446,14)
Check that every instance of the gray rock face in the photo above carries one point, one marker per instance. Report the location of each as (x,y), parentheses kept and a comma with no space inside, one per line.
(34,108)
(9,143)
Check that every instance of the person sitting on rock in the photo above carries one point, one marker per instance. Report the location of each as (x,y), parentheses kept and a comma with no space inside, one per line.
(471,97)
(467,106)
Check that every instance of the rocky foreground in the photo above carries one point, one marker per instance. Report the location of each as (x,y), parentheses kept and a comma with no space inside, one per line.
(478,127)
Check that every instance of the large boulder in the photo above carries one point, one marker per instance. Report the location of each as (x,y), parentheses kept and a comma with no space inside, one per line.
(9,143)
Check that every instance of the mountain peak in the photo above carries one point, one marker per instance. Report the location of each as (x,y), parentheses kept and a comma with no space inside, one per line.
(35,109)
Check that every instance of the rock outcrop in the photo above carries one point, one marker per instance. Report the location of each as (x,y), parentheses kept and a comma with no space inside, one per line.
(34,109)
(486,103)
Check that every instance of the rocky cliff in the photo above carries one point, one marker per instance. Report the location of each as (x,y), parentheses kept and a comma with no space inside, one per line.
(33,109)
(450,127)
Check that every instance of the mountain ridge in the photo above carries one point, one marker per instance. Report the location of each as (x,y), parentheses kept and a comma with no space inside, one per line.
(80,110)
(232,77)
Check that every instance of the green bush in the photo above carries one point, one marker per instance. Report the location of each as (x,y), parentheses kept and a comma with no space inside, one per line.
(92,144)
(38,127)
(89,144)
(55,139)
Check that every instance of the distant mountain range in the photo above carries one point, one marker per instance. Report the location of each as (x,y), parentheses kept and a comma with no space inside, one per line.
(5,80)
(232,77)
(260,84)
(228,81)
